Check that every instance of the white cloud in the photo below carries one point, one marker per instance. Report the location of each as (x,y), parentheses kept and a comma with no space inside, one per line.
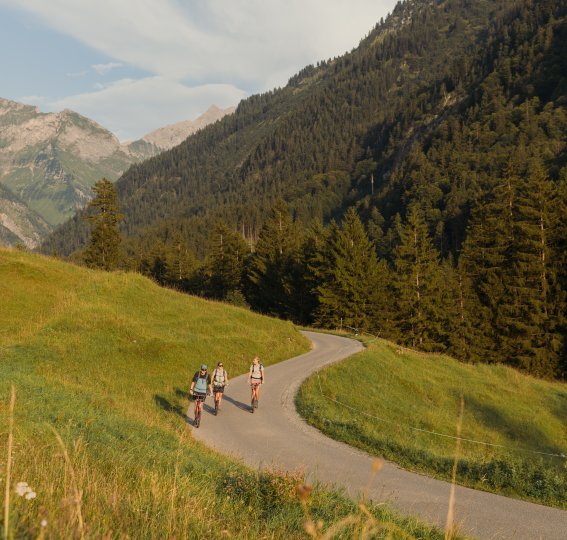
(251,44)
(32,100)
(132,108)
(262,42)
(103,69)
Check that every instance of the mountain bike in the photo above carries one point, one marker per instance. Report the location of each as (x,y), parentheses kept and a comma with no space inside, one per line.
(199,399)
(217,393)
(254,403)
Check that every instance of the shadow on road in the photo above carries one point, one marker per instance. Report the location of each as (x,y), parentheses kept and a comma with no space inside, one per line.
(236,403)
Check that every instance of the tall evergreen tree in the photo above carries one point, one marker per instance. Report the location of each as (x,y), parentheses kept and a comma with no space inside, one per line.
(180,262)
(270,274)
(528,315)
(482,263)
(226,261)
(103,250)
(417,281)
(350,276)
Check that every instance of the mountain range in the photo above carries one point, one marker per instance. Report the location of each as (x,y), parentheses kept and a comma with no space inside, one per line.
(365,128)
(49,162)
(415,187)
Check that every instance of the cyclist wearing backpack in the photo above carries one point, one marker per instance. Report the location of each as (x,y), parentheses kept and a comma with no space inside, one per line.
(220,381)
(200,388)
(255,379)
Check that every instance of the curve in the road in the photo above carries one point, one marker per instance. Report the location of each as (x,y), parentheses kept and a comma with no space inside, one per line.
(277,436)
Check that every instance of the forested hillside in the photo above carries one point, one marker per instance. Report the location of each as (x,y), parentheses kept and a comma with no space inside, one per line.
(444,131)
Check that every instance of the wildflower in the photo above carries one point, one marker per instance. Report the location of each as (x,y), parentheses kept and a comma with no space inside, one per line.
(44,523)
(22,488)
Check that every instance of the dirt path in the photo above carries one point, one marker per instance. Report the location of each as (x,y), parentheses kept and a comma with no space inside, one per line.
(276,435)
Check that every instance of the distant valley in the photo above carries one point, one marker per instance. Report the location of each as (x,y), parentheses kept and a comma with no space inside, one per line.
(49,162)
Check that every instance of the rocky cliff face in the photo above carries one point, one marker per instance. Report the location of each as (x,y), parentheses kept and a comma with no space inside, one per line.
(19,224)
(174,134)
(50,161)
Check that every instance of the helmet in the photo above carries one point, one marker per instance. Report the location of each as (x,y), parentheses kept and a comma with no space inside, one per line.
(203,367)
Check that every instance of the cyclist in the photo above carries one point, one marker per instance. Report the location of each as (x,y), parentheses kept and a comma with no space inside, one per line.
(220,381)
(255,379)
(200,388)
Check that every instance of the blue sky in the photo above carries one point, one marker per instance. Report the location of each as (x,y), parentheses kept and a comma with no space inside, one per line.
(136,65)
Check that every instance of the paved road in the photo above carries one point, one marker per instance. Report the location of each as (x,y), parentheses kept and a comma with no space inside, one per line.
(276,435)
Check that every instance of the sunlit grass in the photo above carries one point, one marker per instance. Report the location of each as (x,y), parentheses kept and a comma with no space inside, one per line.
(393,390)
(101,365)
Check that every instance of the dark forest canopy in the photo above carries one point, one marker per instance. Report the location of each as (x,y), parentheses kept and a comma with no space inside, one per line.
(446,125)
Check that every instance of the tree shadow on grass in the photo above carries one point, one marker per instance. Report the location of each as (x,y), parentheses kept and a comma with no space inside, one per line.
(182,393)
(524,435)
(167,406)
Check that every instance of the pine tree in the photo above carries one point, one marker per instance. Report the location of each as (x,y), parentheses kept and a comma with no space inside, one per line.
(270,273)
(226,261)
(482,265)
(103,250)
(529,316)
(417,281)
(350,275)
(180,262)
(467,318)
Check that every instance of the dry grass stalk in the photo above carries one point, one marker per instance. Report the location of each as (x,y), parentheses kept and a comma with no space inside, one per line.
(170,526)
(450,526)
(77,493)
(9,463)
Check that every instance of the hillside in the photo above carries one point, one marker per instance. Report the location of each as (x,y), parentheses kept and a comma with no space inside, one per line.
(513,427)
(443,131)
(105,360)
(317,141)
(51,160)
(19,224)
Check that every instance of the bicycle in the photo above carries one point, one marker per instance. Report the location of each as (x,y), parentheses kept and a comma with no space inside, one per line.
(254,404)
(218,392)
(199,399)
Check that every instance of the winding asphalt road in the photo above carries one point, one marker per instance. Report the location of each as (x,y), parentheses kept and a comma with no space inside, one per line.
(276,436)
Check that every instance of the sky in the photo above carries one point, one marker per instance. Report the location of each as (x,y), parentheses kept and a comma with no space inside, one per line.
(137,65)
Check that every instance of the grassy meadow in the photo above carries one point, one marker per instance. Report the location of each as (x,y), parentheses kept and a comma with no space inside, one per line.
(100,364)
(392,390)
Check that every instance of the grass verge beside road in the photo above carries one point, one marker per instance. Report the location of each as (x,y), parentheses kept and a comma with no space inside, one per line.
(397,397)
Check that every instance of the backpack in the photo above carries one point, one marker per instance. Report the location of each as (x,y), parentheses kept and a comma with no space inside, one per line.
(223,377)
(260,369)
(201,383)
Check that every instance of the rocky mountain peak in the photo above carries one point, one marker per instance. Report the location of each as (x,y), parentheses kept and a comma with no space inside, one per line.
(174,134)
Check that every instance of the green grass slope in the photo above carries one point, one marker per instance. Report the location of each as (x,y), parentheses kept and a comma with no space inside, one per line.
(397,397)
(103,361)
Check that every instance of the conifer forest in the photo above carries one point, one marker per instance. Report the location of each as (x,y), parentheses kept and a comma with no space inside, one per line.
(414,188)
